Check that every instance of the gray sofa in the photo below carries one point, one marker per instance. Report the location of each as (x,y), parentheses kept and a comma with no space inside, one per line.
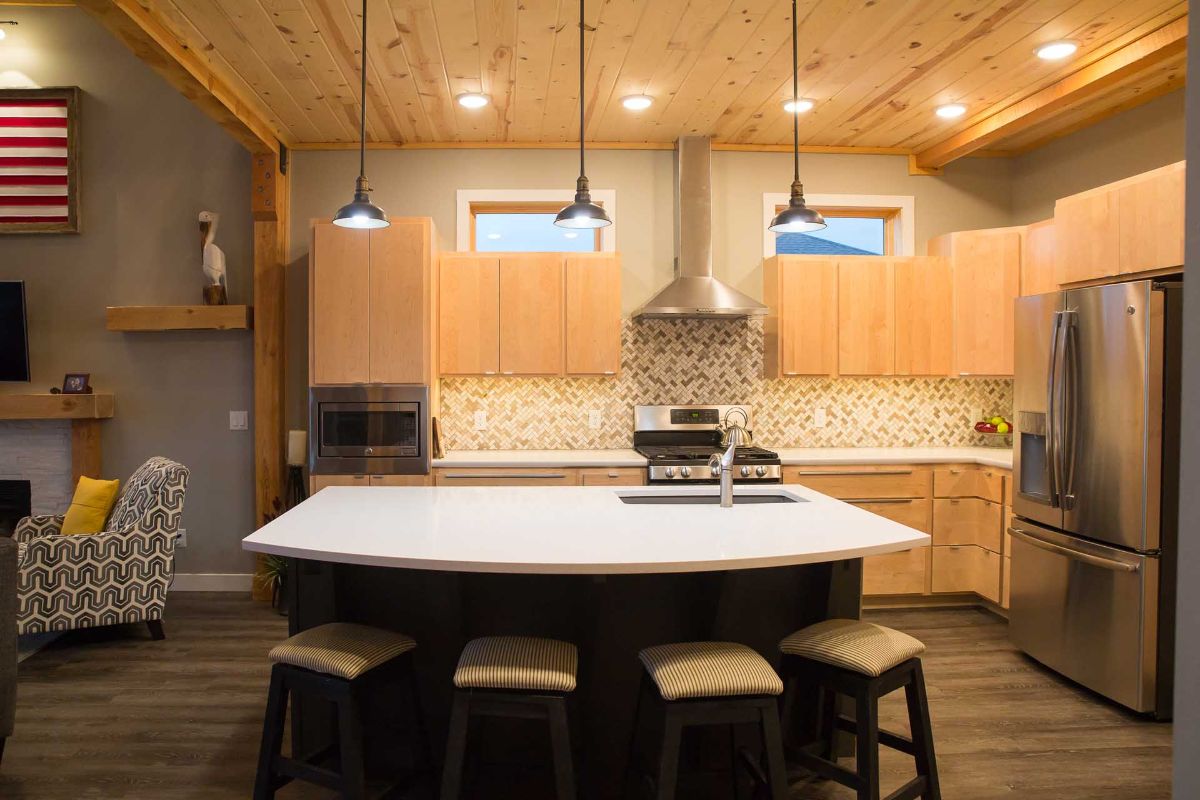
(8,639)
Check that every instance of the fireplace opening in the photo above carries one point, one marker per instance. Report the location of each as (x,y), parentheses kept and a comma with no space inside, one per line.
(14,505)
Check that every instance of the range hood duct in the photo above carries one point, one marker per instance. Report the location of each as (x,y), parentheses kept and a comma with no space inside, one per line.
(695,293)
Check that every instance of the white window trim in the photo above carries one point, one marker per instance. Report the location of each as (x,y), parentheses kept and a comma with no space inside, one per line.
(606,197)
(905,243)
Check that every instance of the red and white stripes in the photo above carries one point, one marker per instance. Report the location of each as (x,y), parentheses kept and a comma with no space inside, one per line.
(33,161)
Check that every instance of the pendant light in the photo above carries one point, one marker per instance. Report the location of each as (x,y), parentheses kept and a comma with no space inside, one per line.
(583,213)
(361,212)
(797,217)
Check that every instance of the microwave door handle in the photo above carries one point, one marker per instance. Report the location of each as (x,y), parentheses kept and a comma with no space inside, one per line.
(1070,407)
(1052,468)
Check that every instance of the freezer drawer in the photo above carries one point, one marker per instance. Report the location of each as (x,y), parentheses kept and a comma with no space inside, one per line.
(1086,611)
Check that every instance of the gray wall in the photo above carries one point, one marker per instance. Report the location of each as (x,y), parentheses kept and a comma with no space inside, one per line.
(1187,643)
(151,162)
(1141,139)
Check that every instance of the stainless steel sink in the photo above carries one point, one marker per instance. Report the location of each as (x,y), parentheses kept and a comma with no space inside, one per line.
(705,499)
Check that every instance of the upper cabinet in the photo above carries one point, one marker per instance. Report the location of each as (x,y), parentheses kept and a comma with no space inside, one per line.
(866,316)
(924,316)
(1037,258)
(371,304)
(530,314)
(801,329)
(1134,225)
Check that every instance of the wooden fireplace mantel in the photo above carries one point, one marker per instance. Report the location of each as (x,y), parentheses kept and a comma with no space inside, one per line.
(85,411)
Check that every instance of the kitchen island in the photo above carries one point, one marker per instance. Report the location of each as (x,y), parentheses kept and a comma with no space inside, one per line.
(610,569)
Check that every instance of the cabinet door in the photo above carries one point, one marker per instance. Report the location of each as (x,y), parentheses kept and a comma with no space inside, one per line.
(924,312)
(338,299)
(987,281)
(613,476)
(402,480)
(966,568)
(531,319)
(968,520)
(896,573)
(1086,237)
(1037,259)
(318,482)
(858,483)
(806,321)
(593,313)
(1151,227)
(500,476)
(969,481)
(469,315)
(400,304)
(866,316)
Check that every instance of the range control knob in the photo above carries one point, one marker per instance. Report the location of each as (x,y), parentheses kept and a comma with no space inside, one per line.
(714,471)
(686,472)
(745,472)
(760,471)
(670,472)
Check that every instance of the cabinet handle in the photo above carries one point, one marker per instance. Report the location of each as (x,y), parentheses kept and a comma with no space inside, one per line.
(546,476)
(489,372)
(614,474)
(508,372)
(882,500)
(844,472)
(610,372)
(955,472)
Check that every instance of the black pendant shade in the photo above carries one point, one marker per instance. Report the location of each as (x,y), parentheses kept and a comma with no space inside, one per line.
(797,217)
(361,212)
(583,213)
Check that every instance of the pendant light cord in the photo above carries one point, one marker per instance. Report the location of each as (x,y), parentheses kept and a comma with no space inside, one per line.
(362,117)
(581,66)
(795,100)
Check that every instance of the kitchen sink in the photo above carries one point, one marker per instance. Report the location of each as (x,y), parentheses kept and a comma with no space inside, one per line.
(705,499)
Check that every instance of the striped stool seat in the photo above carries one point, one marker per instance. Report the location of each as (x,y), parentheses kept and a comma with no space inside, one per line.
(688,670)
(341,649)
(522,663)
(852,644)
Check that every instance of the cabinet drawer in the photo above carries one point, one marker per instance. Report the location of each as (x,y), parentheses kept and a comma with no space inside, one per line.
(967,569)
(896,573)
(613,476)
(402,480)
(862,483)
(496,476)
(1006,581)
(967,520)
(910,511)
(318,482)
(969,481)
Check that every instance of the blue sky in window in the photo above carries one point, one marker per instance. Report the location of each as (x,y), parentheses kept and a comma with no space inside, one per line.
(528,233)
(861,233)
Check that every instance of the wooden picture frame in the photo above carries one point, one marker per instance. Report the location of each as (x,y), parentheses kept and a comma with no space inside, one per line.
(43,166)
(77,383)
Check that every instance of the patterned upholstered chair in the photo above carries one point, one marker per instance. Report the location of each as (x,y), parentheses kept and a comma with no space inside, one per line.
(118,576)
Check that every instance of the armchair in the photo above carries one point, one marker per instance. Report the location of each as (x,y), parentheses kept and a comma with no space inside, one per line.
(118,576)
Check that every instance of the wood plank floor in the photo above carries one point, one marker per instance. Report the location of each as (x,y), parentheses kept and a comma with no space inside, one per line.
(114,715)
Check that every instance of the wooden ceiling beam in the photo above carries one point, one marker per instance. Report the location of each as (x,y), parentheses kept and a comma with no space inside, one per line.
(1086,84)
(143,32)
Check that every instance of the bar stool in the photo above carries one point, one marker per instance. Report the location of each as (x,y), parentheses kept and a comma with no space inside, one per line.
(337,662)
(864,661)
(711,683)
(513,676)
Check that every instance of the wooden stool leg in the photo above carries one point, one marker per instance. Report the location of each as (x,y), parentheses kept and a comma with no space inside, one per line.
(272,736)
(456,747)
(354,782)
(866,719)
(922,732)
(773,748)
(560,744)
(668,765)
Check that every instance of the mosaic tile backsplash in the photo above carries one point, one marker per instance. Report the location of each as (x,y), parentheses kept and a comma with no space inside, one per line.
(700,361)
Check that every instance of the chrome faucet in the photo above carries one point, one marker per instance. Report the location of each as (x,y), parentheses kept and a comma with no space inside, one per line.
(725,464)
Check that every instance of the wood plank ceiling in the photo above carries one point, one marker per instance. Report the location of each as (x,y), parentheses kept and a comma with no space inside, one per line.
(876,69)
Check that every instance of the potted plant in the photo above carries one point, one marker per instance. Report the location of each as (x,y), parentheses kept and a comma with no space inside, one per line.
(273,576)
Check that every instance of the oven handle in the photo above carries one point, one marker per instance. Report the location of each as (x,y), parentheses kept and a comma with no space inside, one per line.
(546,476)
(1087,558)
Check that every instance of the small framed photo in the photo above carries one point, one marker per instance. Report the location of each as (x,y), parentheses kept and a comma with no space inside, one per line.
(77,383)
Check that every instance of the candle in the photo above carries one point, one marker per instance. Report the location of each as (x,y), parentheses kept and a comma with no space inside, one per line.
(297,444)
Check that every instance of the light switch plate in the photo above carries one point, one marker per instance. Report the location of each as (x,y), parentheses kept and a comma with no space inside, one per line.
(239,420)
(819,418)
(594,421)
(181,537)
(481,420)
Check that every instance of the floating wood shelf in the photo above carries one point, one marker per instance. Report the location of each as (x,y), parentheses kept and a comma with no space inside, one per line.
(56,406)
(179,318)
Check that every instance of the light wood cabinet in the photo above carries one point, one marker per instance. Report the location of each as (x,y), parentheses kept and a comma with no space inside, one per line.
(318,482)
(969,481)
(469,314)
(862,482)
(967,520)
(966,568)
(504,476)
(866,316)
(593,313)
(402,480)
(1086,236)
(896,573)
(339,299)
(531,314)
(1037,259)
(1151,209)
(612,476)
(801,328)
(1005,582)
(924,316)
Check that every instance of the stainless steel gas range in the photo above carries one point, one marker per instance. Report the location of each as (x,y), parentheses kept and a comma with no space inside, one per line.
(679,440)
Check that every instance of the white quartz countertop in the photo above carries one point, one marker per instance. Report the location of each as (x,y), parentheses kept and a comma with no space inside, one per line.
(573,530)
(796,456)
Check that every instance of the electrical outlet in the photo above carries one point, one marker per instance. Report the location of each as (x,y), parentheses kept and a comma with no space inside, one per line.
(594,419)
(239,420)
(481,420)
(181,537)
(819,418)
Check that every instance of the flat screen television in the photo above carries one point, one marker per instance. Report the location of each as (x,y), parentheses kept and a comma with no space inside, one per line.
(14,332)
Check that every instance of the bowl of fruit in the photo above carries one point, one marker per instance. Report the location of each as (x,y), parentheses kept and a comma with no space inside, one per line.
(997,429)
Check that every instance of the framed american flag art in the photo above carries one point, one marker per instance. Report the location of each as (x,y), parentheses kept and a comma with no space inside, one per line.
(39,160)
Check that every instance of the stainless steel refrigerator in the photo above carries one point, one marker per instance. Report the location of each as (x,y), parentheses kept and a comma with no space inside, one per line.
(1096,474)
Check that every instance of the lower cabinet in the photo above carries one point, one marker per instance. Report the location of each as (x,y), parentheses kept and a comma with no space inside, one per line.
(966,568)
(503,476)
(318,482)
(612,476)
(967,520)
(897,573)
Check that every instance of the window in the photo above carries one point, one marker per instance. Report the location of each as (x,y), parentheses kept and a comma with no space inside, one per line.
(525,227)
(858,225)
(522,220)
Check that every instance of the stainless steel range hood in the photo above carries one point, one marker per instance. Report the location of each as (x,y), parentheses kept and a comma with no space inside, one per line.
(695,292)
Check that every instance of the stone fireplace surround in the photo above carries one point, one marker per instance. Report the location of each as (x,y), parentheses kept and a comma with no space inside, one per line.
(39,451)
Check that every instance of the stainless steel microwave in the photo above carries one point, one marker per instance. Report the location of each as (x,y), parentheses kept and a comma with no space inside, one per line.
(373,430)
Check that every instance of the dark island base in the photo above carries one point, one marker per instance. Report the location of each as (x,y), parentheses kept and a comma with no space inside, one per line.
(610,618)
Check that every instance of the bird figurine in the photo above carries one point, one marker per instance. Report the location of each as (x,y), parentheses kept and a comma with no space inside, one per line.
(213,260)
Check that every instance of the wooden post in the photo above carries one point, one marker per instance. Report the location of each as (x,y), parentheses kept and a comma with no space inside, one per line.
(269,203)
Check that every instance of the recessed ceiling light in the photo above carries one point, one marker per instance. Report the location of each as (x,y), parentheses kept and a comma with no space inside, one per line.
(798,106)
(493,236)
(638,102)
(473,100)
(951,110)
(1055,51)
(570,235)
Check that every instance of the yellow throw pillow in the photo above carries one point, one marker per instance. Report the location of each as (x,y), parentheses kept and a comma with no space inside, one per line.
(90,506)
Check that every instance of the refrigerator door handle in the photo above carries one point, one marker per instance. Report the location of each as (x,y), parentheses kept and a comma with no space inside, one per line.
(1052,465)
(1069,412)
(1087,558)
